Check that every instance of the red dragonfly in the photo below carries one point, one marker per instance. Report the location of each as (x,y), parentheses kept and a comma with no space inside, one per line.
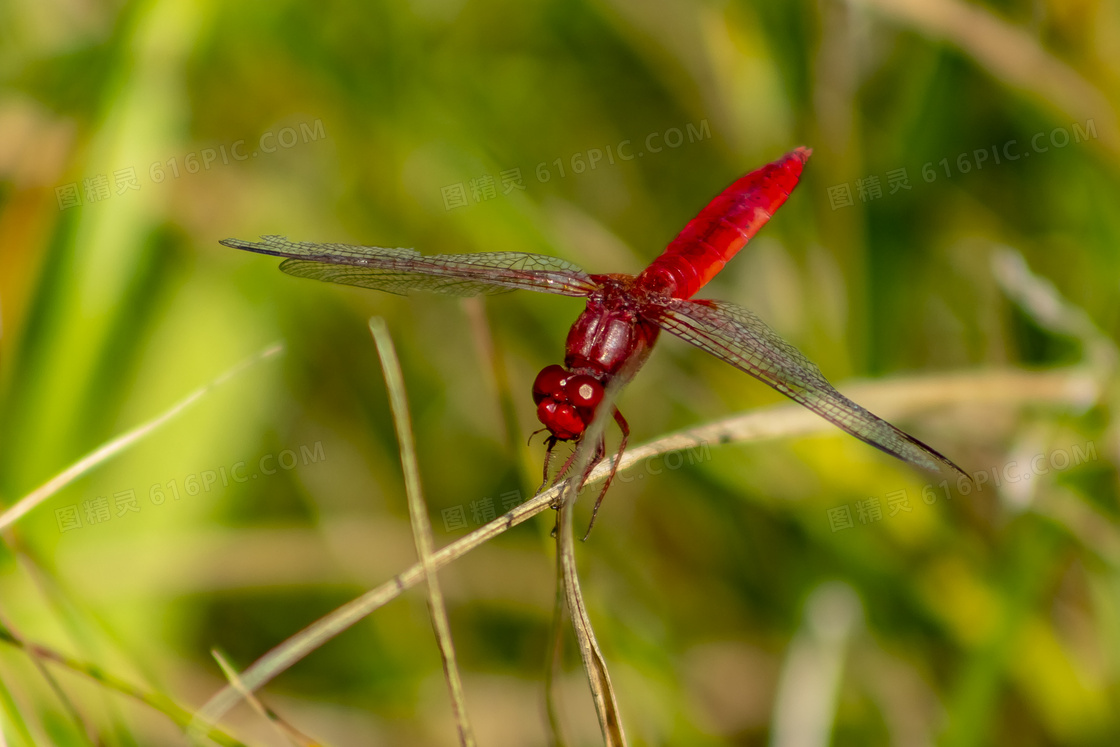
(614,335)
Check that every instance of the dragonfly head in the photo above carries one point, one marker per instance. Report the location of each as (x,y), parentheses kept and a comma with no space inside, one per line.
(566,401)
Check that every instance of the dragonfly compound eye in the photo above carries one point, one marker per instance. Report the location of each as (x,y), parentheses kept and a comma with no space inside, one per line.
(549,383)
(562,420)
(584,391)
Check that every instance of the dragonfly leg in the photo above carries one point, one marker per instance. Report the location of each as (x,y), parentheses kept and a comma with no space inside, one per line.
(625,428)
(550,444)
(567,465)
(563,471)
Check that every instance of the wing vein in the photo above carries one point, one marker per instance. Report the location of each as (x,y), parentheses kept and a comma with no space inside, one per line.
(398,270)
(736,335)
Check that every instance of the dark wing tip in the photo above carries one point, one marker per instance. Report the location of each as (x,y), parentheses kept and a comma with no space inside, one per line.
(250,246)
(955,468)
(938,461)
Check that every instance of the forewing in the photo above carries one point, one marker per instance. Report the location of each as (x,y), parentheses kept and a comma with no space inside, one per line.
(736,335)
(402,270)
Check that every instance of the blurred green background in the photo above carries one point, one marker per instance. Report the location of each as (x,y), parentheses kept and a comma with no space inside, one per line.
(735,603)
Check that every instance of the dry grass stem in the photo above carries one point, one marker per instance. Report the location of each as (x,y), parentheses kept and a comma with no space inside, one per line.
(598,676)
(421,526)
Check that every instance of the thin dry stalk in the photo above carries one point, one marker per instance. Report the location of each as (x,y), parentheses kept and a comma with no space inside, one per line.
(421,526)
(494,364)
(553,668)
(598,676)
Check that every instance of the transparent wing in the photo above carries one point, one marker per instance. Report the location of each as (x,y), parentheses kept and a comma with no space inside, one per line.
(739,337)
(402,270)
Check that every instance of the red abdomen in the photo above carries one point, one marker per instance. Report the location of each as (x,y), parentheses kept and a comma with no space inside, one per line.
(722,228)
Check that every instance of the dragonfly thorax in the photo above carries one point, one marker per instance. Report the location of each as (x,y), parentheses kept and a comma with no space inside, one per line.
(611,333)
(566,401)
